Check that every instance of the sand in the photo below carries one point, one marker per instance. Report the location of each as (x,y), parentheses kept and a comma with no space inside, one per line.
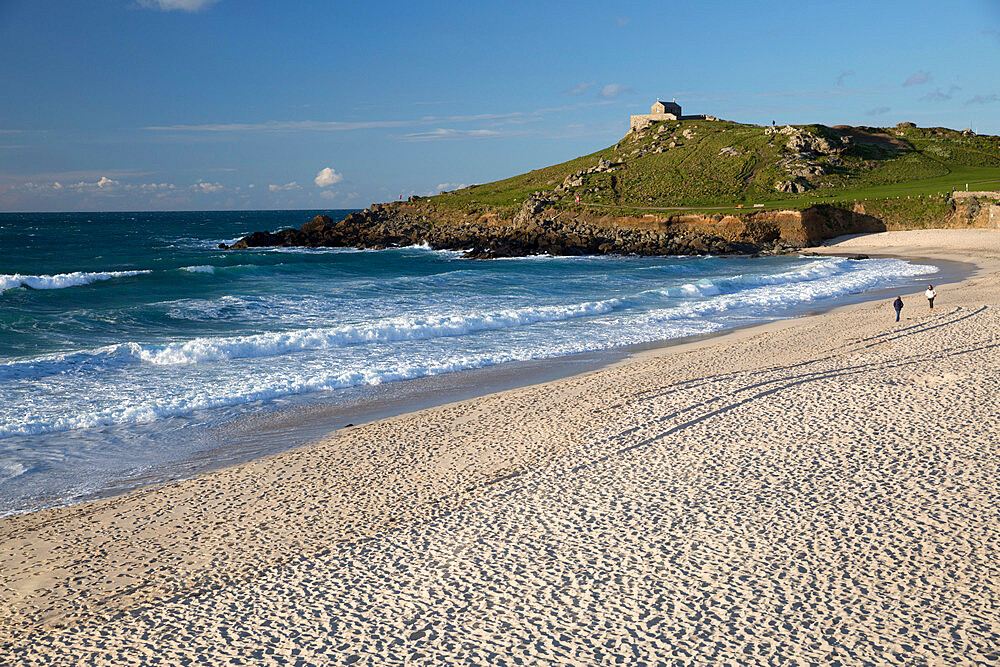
(819,491)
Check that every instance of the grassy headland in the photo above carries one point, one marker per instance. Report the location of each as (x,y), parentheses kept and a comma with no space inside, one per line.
(696,186)
(723,167)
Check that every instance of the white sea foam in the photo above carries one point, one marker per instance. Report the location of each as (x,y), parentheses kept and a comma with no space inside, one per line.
(200,268)
(392,329)
(752,295)
(45,365)
(546,256)
(253,388)
(135,383)
(209,349)
(299,250)
(762,295)
(11,470)
(833,275)
(426,247)
(60,280)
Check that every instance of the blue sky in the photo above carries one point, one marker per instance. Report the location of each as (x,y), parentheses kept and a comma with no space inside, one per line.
(235,104)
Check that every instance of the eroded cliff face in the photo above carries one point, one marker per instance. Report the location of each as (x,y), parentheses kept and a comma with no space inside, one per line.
(796,228)
(975,212)
(541,228)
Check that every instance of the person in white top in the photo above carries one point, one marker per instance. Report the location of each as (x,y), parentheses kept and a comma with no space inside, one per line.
(930,294)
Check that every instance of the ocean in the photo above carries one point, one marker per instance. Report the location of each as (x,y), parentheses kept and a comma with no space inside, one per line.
(132,349)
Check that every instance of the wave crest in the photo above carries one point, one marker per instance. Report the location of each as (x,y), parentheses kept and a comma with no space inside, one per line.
(61,280)
(209,349)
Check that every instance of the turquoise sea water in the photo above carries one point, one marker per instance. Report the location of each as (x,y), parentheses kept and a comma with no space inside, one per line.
(124,337)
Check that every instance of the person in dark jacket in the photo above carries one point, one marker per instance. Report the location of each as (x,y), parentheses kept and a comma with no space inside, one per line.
(898,305)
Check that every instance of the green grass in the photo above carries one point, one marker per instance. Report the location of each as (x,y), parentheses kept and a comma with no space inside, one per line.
(881,164)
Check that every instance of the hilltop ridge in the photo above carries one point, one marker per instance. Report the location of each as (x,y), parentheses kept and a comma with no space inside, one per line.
(706,165)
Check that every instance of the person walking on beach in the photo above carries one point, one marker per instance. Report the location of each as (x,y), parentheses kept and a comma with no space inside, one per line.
(930,294)
(898,305)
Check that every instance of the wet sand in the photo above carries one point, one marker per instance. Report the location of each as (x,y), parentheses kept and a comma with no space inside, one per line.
(818,491)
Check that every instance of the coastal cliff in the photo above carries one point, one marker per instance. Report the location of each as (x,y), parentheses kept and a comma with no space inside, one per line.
(539,228)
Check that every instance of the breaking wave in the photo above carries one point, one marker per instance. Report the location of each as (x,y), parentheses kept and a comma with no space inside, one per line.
(135,382)
(60,280)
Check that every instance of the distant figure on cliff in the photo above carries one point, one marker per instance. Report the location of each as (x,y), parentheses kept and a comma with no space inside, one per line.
(930,294)
(898,305)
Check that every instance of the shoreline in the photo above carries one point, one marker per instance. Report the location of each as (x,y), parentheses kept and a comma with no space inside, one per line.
(189,542)
(307,420)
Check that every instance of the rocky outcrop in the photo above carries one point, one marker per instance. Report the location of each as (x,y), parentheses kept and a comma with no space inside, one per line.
(807,171)
(534,230)
(805,142)
(794,186)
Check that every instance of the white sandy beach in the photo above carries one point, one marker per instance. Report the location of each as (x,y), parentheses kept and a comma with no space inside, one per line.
(818,491)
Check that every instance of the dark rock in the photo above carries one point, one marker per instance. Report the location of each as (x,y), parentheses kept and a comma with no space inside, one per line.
(257,240)
(858,258)
(317,225)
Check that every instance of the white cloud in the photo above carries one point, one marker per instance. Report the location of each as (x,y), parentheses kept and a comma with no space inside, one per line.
(287,186)
(157,187)
(328,194)
(327,177)
(939,95)
(613,90)
(843,77)
(918,78)
(447,133)
(103,184)
(345,126)
(451,186)
(581,88)
(207,188)
(182,5)
(983,99)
